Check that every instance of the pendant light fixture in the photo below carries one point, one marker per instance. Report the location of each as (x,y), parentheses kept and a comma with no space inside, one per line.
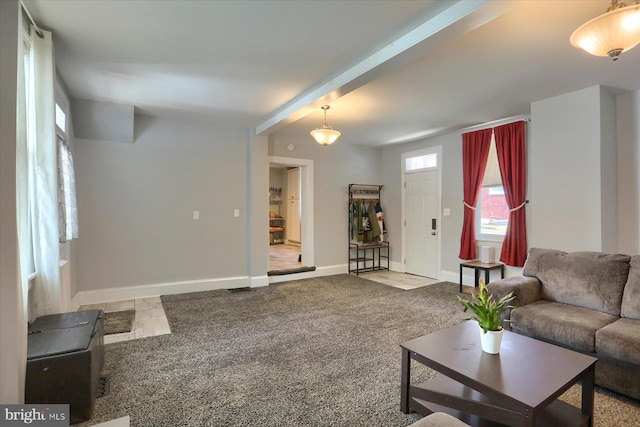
(326,135)
(615,31)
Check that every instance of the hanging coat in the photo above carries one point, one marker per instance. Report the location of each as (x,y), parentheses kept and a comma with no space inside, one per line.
(374,231)
(380,219)
(353,221)
(360,233)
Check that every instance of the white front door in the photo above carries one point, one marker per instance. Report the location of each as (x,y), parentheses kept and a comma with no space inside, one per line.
(422,227)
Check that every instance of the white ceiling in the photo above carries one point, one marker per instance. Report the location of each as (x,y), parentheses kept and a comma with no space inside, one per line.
(271,64)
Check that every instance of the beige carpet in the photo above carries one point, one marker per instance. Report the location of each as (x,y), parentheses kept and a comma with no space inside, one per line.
(315,352)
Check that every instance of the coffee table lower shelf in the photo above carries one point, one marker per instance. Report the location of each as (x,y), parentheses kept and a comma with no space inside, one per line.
(454,398)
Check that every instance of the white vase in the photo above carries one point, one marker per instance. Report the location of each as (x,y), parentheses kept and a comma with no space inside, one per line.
(491,341)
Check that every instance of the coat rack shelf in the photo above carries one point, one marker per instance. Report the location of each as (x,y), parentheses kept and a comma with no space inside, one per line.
(368,251)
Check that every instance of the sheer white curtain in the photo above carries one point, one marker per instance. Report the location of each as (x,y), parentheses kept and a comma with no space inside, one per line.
(22,214)
(43,155)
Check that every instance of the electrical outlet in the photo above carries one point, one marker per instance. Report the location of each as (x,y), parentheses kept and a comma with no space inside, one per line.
(236,213)
(196,214)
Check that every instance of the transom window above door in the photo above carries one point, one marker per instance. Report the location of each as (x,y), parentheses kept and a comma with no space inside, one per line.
(421,162)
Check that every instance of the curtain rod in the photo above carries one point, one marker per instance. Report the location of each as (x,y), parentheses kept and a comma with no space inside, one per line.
(524,118)
(38,30)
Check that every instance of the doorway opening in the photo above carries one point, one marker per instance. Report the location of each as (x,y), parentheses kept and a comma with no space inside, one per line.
(421,200)
(290,216)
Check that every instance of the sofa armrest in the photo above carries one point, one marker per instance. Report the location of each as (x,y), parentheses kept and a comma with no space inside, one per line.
(526,289)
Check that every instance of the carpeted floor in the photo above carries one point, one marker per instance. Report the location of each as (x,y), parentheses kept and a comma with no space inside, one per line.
(315,352)
(117,322)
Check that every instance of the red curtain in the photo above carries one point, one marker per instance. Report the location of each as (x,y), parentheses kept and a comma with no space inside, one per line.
(475,151)
(511,158)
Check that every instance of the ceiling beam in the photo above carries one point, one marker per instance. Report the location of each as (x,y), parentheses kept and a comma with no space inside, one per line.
(454,21)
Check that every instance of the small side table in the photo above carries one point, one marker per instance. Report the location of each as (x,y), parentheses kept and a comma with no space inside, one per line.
(481,266)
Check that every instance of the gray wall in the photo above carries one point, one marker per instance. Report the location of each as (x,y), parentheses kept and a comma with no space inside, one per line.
(628,125)
(570,180)
(10,348)
(103,121)
(136,203)
(335,167)
(257,210)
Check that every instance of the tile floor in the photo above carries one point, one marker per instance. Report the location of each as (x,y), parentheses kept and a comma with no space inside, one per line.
(150,319)
(399,280)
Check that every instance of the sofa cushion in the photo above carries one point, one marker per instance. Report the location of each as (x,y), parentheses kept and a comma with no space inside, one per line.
(620,340)
(568,325)
(631,296)
(586,279)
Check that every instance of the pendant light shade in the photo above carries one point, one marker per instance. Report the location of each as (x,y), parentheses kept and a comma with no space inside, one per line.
(611,33)
(326,135)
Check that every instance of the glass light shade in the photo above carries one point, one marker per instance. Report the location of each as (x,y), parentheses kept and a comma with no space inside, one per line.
(610,33)
(325,135)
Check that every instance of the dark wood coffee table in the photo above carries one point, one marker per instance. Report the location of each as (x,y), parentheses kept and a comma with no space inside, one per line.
(518,387)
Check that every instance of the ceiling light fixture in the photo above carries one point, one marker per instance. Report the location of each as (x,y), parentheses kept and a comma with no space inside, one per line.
(326,135)
(615,31)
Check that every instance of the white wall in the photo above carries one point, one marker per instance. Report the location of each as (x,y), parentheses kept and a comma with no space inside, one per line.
(10,367)
(566,168)
(335,167)
(628,127)
(136,203)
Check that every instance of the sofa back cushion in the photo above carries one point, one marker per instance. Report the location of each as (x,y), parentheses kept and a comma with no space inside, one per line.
(591,280)
(631,297)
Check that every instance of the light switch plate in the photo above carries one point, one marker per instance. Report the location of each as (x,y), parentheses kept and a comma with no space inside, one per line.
(236,213)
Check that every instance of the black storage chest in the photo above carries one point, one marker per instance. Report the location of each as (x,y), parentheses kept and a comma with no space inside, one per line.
(65,356)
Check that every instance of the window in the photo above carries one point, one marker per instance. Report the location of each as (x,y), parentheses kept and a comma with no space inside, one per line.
(421,162)
(492,211)
(61,120)
(67,208)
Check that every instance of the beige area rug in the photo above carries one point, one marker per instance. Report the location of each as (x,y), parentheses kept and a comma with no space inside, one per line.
(118,322)
(399,280)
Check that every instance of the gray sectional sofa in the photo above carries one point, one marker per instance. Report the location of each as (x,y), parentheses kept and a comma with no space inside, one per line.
(585,301)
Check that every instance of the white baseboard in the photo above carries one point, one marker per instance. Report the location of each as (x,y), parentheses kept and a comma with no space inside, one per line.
(469,279)
(319,272)
(454,276)
(396,266)
(258,281)
(145,291)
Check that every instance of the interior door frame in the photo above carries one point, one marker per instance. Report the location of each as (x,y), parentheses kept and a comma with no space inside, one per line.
(306,203)
(424,151)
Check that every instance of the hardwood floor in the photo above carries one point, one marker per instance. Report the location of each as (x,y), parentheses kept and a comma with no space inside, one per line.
(284,256)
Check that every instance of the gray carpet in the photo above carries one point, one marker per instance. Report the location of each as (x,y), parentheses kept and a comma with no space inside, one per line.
(118,322)
(315,352)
